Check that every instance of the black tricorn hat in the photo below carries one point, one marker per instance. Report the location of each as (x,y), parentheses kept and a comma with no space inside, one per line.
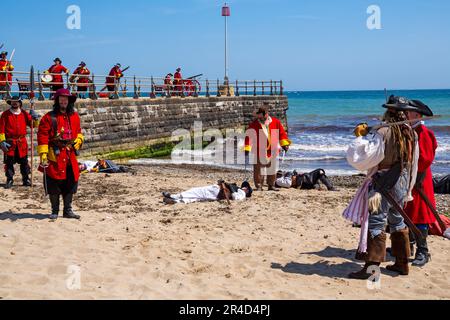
(420,107)
(397,103)
(4,53)
(14,99)
(246,184)
(57,59)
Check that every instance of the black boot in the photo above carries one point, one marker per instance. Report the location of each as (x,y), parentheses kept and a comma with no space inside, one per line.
(68,212)
(9,184)
(324,179)
(422,254)
(26,182)
(54,201)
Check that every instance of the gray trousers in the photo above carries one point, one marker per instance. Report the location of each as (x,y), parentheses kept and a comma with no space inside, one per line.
(387,214)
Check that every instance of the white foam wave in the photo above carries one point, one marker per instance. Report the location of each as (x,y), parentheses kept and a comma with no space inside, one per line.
(322,158)
(323,147)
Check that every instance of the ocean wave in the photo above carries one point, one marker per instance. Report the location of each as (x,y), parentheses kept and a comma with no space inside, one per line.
(321,148)
(319,158)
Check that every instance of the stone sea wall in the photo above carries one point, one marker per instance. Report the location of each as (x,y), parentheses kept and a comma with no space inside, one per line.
(125,124)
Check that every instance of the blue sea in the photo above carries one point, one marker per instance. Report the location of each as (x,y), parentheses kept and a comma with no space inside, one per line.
(321,125)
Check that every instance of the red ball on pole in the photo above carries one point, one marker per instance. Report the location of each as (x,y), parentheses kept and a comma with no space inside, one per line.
(226,12)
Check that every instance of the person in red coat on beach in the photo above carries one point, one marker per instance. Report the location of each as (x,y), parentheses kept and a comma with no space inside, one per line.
(56,71)
(418,210)
(59,139)
(13,140)
(264,136)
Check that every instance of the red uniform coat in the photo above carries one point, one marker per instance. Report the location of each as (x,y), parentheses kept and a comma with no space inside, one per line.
(58,69)
(178,79)
(58,164)
(13,129)
(5,66)
(418,210)
(276,136)
(83,74)
(115,73)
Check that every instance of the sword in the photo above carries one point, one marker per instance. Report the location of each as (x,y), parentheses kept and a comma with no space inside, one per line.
(45,182)
(432,208)
(402,122)
(402,212)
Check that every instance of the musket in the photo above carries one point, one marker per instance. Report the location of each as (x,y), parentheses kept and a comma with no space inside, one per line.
(193,77)
(32,87)
(104,88)
(1,46)
(125,69)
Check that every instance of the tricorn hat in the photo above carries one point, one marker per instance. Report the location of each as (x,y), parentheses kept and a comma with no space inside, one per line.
(397,103)
(14,99)
(420,107)
(57,59)
(118,65)
(178,69)
(65,93)
(245,184)
(4,53)
(82,63)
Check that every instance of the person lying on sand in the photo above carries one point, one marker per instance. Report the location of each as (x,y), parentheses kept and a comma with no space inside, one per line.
(102,166)
(305,181)
(216,192)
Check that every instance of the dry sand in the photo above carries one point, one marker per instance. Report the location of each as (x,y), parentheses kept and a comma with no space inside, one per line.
(128,245)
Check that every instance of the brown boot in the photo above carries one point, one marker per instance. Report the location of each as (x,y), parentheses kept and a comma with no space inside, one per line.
(363,274)
(376,253)
(401,251)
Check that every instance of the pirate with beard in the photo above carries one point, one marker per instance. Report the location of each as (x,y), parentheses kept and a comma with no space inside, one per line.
(13,141)
(59,139)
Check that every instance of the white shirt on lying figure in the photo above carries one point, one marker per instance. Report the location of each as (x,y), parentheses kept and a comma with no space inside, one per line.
(209,193)
(284,182)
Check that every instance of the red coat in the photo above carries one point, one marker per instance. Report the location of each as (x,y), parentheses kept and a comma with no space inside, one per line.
(13,129)
(83,74)
(5,66)
(177,78)
(115,73)
(276,136)
(57,168)
(417,209)
(58,69)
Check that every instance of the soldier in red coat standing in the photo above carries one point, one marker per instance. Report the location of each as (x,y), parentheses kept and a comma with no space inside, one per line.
(264,136)
(5,72)
(13,140)
(114,77)
(59,139)
(178,82)
(418,210)
(56,71)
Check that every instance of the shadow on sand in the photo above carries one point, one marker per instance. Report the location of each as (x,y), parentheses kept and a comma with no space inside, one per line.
(22,216)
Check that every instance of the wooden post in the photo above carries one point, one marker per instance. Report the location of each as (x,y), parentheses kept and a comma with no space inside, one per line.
(281,87)
(152,94)
(262,85)
(93,94)
(207,88)
(246,88)
(135,95)
(218,90)
(237,88)
(41,94)
(254,88)
(271,87)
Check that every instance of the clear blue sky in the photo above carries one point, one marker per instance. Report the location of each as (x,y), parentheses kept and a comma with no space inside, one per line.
(311,45)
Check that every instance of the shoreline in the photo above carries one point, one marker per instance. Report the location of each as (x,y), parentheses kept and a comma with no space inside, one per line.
(292,244)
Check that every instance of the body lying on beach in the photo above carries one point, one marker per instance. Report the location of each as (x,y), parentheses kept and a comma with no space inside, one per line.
(216,192)
(306,181)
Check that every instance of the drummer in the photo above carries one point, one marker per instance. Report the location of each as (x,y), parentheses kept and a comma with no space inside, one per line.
(56,71)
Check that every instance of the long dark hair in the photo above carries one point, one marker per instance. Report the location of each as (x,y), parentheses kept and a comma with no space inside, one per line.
(69,110)
(403,135)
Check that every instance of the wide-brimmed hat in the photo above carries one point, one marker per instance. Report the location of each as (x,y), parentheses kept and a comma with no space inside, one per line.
(4,53)
(57,59)
(65,93)
(420,107)
(246,184)
(178,69)
(397,103)
(82,64)
(14,99)
(118,65)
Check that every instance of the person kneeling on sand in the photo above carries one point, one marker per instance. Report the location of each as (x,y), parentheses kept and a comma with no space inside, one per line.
(216,192)
(305,181)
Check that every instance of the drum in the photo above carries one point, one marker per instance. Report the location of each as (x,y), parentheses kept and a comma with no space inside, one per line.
(46,80)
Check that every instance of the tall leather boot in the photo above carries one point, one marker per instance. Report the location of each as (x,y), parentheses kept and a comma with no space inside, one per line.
(376,253)
(54,201)
(401,252)
(422,254)
(324,179)
(68,212)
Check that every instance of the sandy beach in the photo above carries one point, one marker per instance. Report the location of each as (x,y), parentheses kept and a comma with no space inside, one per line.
(128,245)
